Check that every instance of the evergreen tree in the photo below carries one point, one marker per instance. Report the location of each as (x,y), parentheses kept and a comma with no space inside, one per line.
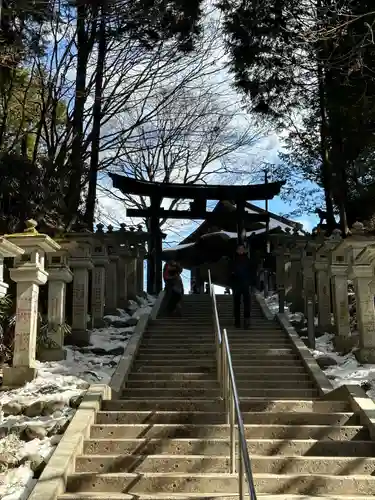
(317,85)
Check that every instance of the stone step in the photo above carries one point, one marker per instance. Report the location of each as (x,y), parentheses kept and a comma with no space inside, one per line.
(199,333)
(219,483)
(206,328)
(245,336)
(194,336)
(201,496)
(208,359)
(203,378)
(174,377)
(205,350)
(203,345)
(251,404)
(182,393)
(182,358)
(218,464)
(247,339)
(196,342)
(165,393)
(211,362)
(200,446)
(200,330)
(126,431)
(168,368)
(239,369)
(197,317)
(206,315)
(296,368)
(206,365)
(253,383)
(177,351)
(250,418)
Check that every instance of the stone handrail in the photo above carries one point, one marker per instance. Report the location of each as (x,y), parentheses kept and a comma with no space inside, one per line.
(312,275)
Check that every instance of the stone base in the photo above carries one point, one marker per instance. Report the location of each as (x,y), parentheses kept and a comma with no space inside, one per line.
(17,376)
(122,303)
(79,338)
(321,330)
(99,323)
(295,306)
(53,354)
(344,344)
(111,311)
(365,355)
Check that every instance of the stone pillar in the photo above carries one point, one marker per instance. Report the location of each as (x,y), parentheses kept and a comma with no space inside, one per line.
(323,281)
(295,293)
(29,274)
(361,271)
(324,295)
(140,270)
(340,306)
(131,277)
(112,281)
(308,277)
(122,283)
(80,263)
(363,277)
(58,276)
(282,259)
(339,280)
(100,261)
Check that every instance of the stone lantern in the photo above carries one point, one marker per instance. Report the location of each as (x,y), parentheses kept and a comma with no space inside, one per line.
(29,273)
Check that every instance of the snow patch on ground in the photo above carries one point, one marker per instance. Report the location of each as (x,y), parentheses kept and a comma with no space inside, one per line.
(344,369)
(34,417)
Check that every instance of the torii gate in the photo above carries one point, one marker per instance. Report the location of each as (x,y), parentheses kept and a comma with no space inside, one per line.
(200,194)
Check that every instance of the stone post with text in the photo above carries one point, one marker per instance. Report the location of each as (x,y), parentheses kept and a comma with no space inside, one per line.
(100,261)
(59,275)
(361,271)
(80,263)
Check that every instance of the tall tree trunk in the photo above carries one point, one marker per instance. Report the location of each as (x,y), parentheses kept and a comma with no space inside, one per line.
(97,118)
(76,157)
(324,151)
(337,159)
(339,168)
(326,172)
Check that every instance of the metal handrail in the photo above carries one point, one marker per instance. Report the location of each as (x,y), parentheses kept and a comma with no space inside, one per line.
(231,400)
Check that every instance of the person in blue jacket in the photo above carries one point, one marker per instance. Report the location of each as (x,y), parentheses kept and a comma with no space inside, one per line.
(242,280)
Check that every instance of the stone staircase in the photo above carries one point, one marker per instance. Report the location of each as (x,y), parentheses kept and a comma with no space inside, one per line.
(167,438)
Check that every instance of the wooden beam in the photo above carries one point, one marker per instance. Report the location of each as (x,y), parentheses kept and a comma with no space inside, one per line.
(129,185)
(187,214)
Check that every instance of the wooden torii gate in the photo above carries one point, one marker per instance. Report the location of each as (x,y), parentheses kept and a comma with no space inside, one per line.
(200,194)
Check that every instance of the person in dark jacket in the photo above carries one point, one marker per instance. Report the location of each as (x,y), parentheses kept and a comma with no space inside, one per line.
(174,288)
(243,278)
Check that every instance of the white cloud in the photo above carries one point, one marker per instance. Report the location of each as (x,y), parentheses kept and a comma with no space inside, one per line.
(308,223)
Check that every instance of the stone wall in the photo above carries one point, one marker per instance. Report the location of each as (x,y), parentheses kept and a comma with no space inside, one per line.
(105,270)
